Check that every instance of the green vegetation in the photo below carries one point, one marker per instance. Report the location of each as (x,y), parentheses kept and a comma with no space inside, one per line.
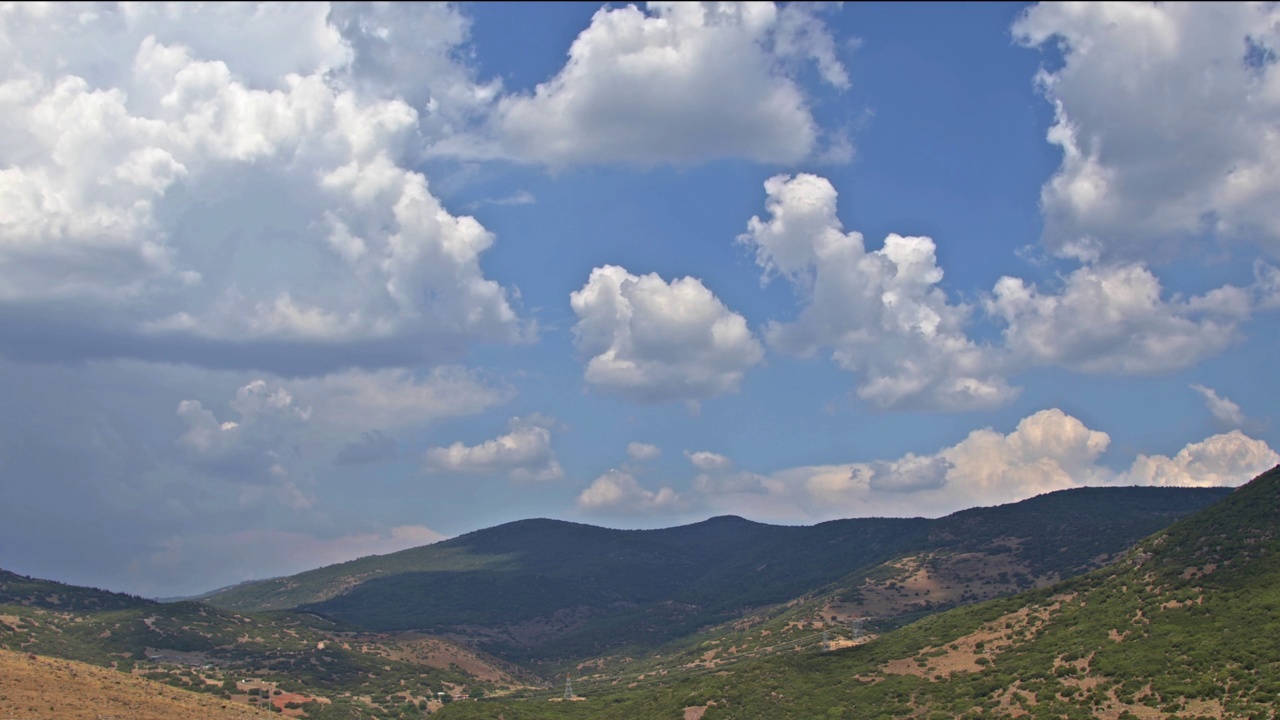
(553,593)
(1182,627)
(201,648)
(729,616)
(20,590)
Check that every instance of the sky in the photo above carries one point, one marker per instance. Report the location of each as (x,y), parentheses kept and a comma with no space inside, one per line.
(286,285)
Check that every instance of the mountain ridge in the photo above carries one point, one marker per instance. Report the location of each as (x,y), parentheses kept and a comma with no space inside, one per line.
(1180,627)
(901,568)
(511,582)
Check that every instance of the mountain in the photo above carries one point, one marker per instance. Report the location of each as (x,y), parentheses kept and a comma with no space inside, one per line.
(553,591)
(1183,625)
(698,620)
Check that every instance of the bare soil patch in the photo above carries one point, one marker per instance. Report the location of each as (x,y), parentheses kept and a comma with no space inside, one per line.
(939,580)
(974,651)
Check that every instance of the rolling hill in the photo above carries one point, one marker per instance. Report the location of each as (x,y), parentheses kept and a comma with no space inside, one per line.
(722,618)
(40,687)
(239,659)
(546,591)
(1182,626)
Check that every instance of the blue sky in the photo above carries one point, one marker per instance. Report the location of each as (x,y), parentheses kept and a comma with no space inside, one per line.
(285,285)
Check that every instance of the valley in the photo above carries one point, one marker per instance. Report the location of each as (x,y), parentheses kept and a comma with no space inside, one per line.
(1036,609)
(1180,627)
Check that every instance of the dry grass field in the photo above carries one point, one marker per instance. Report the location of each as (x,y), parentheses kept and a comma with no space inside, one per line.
(41,688)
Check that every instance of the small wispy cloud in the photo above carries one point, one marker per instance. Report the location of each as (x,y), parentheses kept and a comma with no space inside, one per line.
(1222,409)
(520,197)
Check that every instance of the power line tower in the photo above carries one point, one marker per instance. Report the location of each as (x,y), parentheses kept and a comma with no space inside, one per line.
(826,641)
(568,686)
(857,629)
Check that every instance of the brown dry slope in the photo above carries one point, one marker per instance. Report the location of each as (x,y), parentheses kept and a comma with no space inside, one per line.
(41,688)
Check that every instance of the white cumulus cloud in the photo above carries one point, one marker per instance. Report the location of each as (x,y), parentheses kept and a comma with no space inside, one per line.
(1113,318)
(641,452)
(654,341)
(881,313)
(231,185)
(1230,459)
(1047,451)
(677,83)
(619,493)
(524,453)
(709,461)
(1166,116)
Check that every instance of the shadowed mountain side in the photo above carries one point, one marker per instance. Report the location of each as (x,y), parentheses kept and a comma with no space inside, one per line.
(1181,626)
(541,589)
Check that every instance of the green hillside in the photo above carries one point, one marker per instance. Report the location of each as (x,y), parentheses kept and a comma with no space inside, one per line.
(545,590)
(21,590)
(195,646)
(1184,626)
(726,618)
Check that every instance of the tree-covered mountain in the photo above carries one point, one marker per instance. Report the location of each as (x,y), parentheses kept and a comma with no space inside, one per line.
(723,616)
(1182,626)
(546,590)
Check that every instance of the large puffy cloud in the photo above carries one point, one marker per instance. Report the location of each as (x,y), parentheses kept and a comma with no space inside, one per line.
(677,83)
(881,313)
(263,43)
(655,341)
(1113,318)
(1166,116)
(411,51)
(1047,451)
(1227,459)
(524,453)
(172,190)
